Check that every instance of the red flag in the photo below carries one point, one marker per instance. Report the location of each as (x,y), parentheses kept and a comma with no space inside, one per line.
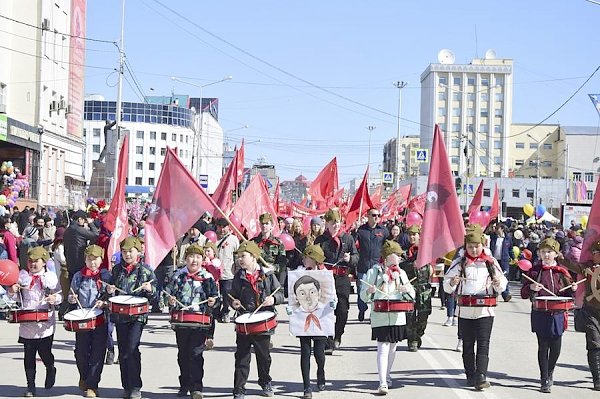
(229,181)
(495,209)
(417,203)
(393,204)
(253,202)
(239,165)
(325,184)
(443,229)
(178,203)
(592,231)
(477,198)
(115,220)
(361,202)
(377,195)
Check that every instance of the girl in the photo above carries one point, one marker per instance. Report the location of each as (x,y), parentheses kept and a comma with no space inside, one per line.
(387,281)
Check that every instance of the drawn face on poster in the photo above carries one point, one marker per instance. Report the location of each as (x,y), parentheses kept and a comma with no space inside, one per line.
(311,299)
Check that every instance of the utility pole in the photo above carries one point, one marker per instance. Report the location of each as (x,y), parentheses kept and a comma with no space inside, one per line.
(370,129)
(467,161)
(400,84)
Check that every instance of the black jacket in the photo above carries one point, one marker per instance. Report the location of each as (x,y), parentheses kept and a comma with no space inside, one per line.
(242,289)
(370,240)
(333,252)
(76,239)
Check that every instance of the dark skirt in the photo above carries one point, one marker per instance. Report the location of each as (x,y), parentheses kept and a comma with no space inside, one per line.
(548,324)
(388,334)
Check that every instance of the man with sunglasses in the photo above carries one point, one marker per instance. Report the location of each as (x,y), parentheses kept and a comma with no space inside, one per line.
(370,237)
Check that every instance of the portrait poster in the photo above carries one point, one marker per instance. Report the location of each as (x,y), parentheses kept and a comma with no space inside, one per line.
(311,295)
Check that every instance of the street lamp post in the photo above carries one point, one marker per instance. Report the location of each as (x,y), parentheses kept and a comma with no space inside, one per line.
(370,129)
(400,84)
(537,167)
(198,133)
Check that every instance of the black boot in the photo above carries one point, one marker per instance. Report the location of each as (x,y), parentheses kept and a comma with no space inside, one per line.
(30,375)
(545,385)
(110,358)
(50,377)
(481,382)
(594,363)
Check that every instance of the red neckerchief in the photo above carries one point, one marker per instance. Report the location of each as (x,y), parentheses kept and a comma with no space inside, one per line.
(94,275)
(314,319)
(267,241)
(195,276)
(35,278)
(253,279)
(390,270)
(319,267)
(481,258)
(130,267)
(557,268)
(412,251)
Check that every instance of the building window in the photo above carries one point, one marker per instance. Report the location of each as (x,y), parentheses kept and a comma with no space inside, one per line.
(520,145)
(470,96)
(483,128)
(547,146)
(546,164)
(499,97)
(483,144)
(180,153)
(181,138)
(442,126)
(152,150)
(497,128)
(151,181)
(485,81)
(498,160)
(486,192)
(456,96)
(497,144)
(456,81)
(498,113)
(576,176)
(443,81)
(139,149)
(163,151)
(532,162)
(589,177)
(442,96)
(151,166)
(516,193)
(139,134)
(456,127)
(442,111)
(455,143)
(500,81)
(96,148)
(84,132)
(485,97)
(174,137)
(163,136)
(455,111)
(139,166)
(454,160)
(138,181)
(470,111)
(519,162)
(484,112)
(471,81)
(186,139)
(589,195)
(533,146)
(470,128)
(530,193)
(96,132)
(152,135)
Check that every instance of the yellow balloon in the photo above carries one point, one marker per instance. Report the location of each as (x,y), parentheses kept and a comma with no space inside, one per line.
(528,209)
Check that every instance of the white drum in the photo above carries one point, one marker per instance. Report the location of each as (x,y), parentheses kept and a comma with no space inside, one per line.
(128,305)
(84,319)
(258,323)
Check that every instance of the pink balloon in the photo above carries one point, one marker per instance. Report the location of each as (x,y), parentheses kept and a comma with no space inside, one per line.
(288,241)
(235,221)
(476,217)
(485,218)
(413,218)
(211,235)
(524,265)
(9,272)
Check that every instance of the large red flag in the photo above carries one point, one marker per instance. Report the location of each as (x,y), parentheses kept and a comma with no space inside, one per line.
(495,208)
(229,181)
(361,202)
(443,229)
(178,203)
(417,203)
(326,183)
(592,231)
(377,196)
(115,220)
(253,202)
(477,198)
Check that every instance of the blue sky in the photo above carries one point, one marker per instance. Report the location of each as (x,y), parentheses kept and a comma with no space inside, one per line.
(279,51)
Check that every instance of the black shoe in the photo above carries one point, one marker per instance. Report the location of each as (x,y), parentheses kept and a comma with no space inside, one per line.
(337,343)
(29,392)
(197,395)
(238,396)
(267,390)
(361,316)
(471,381)
(507,298)
(481,382)
(551,378)
(182,393)
(307,395)
(329,351)
(321,387)
(597,385)
(545,386)
(413,346)
(50,377)
(110,358)
(135,394)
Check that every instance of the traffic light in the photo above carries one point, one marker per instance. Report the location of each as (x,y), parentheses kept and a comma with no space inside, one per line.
(458,185)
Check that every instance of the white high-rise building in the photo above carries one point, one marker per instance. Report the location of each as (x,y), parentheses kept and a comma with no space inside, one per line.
(472,104)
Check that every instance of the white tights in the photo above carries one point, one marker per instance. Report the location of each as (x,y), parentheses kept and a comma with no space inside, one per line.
(386,352)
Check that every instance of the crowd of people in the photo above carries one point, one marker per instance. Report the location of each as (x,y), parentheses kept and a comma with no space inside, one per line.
(213,276)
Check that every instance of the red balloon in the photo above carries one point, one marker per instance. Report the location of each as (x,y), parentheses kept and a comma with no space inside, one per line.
(413,218)
(527,254)
(288,241)
(524,265)
(9,272)
(211,235)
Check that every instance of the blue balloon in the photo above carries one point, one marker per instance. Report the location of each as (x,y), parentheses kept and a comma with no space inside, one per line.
(540,210)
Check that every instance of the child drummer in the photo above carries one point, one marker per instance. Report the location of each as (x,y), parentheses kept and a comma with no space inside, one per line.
(39,289)
(253,287)
(549,326)
(194,288)
(131,277)
(387,281)
(87,290)
(475,274)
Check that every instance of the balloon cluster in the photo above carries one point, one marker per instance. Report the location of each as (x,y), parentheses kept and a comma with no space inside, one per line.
(12,183)
(539,210)
(481,218)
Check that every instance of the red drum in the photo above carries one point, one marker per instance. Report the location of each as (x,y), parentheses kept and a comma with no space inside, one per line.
(393,305)
(28,315)
(128,305)
(258,323)
(188,318)
(553,303)
(476,300)
(83,319)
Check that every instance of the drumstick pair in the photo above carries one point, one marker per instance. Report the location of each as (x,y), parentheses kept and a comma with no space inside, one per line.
(262,304)
(535,282)
(171,296)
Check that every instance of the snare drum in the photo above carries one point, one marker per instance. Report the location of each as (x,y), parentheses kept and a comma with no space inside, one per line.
(552,303)
(258,323)
(128,305)
(188,318)
(476,300)
(83,319)
(28,315)
(393,305)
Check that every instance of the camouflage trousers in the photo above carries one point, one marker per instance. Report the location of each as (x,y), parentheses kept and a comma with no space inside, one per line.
(416,322)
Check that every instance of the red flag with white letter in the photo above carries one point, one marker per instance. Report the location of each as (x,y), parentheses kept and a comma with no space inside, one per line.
(178,203)
(115,220)
(443,229)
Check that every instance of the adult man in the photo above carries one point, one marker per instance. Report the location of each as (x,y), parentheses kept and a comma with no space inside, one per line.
(501,247)
(273,251)
(80,233)
(194,236)
(227,244)
(341,257)
(370,237)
